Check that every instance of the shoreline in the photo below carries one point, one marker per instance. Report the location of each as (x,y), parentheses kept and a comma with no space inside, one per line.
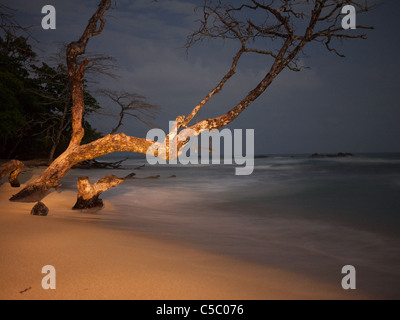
(96,261)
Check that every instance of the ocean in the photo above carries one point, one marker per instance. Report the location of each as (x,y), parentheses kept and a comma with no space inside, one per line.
(301,214)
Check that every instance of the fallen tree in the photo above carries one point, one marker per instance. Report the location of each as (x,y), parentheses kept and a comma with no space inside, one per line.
(290,25)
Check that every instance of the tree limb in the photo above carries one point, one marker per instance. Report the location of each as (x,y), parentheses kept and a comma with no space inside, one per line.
(13,168)
(76,71)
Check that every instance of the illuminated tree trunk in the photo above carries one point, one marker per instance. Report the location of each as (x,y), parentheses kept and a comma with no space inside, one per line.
(50,178)
(13,168)
(88,194)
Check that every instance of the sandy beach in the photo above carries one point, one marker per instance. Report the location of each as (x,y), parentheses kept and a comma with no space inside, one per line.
(96,261)
(234,175)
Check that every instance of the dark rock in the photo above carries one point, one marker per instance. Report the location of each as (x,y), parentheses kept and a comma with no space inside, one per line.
(339,155)
(316,155)
(40,210)
(344,155)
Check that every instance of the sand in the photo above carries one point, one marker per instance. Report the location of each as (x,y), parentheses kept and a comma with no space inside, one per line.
(93,260)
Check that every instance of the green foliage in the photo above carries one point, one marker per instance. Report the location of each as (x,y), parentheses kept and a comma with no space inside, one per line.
(11,117)
(35,103)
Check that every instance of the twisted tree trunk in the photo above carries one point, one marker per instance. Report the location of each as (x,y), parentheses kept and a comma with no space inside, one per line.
(50,178)
(13,168)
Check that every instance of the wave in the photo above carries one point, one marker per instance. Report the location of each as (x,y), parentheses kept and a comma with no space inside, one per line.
(313,215)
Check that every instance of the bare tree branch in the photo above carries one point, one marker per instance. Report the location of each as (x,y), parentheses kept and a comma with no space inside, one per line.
(8,24)
(286,25)
(217,89)
(220,21)
(133,105)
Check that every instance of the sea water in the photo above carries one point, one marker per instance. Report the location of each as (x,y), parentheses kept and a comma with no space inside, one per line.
(297,213)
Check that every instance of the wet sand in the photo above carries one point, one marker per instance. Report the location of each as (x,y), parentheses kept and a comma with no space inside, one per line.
(95,261)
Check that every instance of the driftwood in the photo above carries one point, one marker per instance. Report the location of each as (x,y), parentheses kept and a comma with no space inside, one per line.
(94,164)
(88,194)
(13,168)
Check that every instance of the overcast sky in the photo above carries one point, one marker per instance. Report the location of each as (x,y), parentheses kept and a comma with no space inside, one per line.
(349,105)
